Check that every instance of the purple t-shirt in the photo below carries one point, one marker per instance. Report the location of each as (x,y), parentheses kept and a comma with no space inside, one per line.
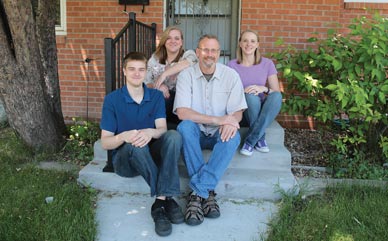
(255,74)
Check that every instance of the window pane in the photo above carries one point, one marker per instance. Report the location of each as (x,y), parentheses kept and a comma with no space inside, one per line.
(58,13)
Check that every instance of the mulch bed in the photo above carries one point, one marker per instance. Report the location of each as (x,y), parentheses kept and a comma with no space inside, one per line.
(308,148)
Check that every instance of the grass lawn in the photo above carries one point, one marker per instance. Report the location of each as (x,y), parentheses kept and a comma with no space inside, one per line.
(342,213)
(24,213)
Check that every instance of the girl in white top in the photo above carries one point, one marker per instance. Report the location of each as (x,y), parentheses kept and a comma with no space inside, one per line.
(165,64)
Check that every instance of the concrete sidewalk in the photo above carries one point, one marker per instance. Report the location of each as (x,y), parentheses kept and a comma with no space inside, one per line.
(247,195)
(126,217)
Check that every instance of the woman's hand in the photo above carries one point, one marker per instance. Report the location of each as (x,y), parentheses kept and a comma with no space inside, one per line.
(159,81)
(165,90)
(255,89)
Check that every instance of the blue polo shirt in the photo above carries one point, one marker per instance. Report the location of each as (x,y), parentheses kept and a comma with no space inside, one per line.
(121,113)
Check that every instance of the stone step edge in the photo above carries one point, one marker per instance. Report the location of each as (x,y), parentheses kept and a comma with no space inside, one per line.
(264,191)
(275,152)
(234,183)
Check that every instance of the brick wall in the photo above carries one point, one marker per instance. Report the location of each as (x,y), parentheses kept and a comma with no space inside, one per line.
(89,22)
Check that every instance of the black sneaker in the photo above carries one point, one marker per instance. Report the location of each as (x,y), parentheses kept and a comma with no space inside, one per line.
(173,211)
(163,225)
(194,212)
(210,206)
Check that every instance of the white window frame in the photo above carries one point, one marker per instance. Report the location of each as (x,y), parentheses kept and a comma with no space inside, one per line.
(61,29)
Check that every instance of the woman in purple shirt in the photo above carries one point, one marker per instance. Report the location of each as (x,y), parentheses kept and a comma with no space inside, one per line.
(262,91)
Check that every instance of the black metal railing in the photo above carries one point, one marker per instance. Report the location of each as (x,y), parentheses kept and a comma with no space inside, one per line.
(135,36)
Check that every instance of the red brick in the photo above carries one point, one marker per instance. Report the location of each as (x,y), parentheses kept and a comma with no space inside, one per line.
(89,22)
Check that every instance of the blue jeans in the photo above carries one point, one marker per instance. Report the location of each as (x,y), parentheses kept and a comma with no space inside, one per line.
(260,114)
(156,162)
(204,176)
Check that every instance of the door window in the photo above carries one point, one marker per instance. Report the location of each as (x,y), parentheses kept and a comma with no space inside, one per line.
(199,17)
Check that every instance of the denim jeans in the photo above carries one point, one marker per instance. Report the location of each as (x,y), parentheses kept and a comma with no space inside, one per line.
(260,114)
(156,162)
(204,176)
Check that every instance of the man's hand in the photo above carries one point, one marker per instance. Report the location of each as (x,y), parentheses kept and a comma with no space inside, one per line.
(127,136)
(229,120)
(138,138)
(142,138)
(227,132)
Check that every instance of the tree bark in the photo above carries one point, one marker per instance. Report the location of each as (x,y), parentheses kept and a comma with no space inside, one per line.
(29,73)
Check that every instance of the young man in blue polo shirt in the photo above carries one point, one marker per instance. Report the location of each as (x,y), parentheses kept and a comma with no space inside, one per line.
(133,125)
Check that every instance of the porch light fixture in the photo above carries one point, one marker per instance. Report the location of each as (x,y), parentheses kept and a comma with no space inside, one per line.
(134,2)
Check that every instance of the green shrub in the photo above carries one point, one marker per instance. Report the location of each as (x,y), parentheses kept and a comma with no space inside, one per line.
(79,144)
(342,82)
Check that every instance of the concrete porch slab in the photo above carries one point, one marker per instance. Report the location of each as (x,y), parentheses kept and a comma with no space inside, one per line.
(123,216)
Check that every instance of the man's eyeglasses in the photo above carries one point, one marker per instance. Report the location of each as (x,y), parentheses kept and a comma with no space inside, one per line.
(207,51)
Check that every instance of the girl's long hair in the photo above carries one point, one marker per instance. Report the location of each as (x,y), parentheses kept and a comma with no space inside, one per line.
(161,51)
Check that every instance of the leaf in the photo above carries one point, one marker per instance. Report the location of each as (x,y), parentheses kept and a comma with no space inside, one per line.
(332,87)
(299,75)
(337,65)
(384,88)
(287,71)
(358,70)
(344,102)
(382,98)
(354,109)
(330,32)
(279,42)
(377,73)
(362,58)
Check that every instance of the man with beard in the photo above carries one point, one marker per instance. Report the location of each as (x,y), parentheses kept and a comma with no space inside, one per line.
(210,102)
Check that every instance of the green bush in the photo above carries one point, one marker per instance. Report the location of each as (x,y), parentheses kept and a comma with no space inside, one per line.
(79,144)
(342,82)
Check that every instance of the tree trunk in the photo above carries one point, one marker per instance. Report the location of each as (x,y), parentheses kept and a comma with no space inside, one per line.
(29,74)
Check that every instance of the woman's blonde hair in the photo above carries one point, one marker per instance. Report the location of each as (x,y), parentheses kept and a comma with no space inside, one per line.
(239,53)
(161,51)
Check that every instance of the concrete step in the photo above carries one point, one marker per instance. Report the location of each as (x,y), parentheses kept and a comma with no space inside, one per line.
(236,183)
(274,134)
(258,176)
(279,158)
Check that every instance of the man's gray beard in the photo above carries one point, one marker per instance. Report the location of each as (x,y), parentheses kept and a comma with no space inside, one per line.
(209,65)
